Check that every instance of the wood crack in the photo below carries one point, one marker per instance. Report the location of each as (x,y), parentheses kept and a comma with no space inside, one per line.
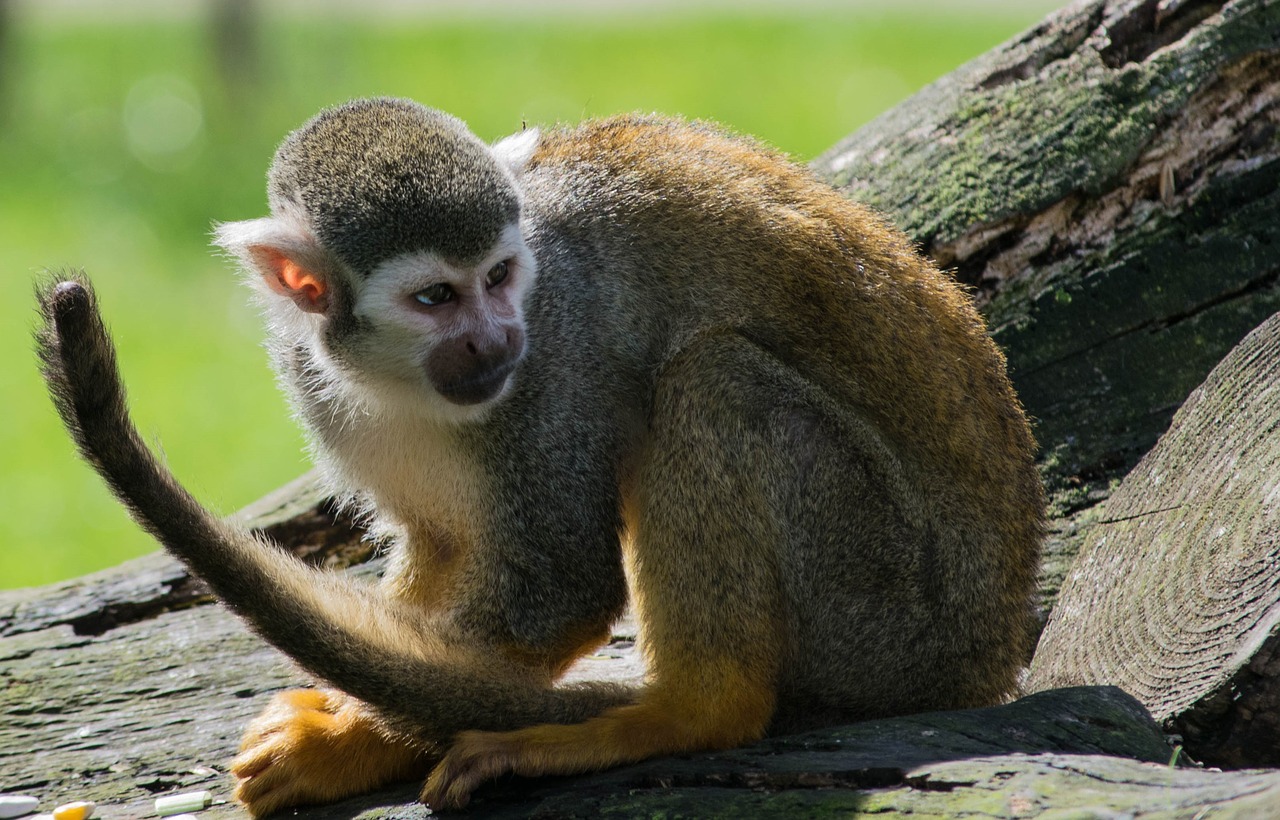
(1065,44)
(187,593)
(1227,131)
(1151,26)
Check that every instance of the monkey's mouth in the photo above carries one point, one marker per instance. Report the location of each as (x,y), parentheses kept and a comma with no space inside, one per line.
(479,386)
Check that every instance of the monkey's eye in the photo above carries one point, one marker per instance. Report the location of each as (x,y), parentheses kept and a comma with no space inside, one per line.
(497,274)
(435,295)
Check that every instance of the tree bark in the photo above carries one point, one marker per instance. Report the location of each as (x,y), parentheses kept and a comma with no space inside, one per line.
(1108,185)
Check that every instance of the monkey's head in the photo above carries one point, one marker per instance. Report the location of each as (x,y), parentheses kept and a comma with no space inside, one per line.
(394,252)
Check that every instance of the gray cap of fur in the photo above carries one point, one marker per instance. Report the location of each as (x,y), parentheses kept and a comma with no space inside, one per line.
(382,177)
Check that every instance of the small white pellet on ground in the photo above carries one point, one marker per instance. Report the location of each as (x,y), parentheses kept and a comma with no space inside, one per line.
(16,805)
(79,810)
(182,803)
(182,817)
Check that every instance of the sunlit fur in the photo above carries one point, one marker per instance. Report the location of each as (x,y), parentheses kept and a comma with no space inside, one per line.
(795,424)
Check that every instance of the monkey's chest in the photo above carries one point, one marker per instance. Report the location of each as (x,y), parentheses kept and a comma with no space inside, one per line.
(418,482)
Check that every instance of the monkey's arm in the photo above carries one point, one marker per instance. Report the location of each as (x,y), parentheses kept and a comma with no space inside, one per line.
(368,645)
(707,534)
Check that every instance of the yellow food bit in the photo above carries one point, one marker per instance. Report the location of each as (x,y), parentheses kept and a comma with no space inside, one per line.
(79,810)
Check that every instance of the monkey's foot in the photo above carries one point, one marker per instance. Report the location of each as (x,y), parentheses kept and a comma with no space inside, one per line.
(313,746)
(476,757)
(659,723)
(473,758)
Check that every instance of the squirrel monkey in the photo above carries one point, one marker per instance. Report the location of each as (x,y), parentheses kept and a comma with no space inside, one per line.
(637,358)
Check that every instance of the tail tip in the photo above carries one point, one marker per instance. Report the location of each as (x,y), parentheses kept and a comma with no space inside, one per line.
(68,295)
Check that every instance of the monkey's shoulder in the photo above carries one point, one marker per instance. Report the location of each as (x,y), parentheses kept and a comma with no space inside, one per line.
(666,153)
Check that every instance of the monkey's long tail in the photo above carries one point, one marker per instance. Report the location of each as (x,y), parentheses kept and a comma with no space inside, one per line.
(337,629)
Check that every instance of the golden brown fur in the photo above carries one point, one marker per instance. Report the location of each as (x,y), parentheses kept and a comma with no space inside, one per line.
(794,423)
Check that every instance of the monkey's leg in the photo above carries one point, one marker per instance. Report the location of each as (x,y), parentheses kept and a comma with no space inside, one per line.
(316,746)
(706,576)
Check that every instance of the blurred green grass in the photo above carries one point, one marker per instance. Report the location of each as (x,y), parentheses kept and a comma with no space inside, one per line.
(120,145)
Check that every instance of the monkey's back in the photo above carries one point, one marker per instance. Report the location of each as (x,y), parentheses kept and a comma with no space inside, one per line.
(728,235)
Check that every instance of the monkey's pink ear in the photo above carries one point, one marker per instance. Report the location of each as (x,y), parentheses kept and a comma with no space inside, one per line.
(285,255)
(308,289)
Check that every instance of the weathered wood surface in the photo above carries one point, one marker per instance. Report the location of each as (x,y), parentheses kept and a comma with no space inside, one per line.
(1176,594)
(1109,184)
(155,706)
(131,683)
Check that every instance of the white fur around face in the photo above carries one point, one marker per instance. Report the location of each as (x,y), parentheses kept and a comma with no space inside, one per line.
(381,433)
(385,434)
(407,334)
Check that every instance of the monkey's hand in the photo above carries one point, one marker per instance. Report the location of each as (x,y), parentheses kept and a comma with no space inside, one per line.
(314,746)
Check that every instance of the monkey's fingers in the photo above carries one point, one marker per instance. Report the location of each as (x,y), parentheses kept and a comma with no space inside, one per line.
(474,758)
(712,709)
(282,708)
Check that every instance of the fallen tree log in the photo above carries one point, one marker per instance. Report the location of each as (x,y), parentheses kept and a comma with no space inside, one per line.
(119,705)
(153,706)
(1176,594)
(1107,183)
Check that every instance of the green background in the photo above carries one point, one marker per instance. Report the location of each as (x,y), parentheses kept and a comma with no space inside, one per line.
(121,144)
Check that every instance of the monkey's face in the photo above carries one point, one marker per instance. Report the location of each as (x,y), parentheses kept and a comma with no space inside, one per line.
(393,257)
(453,330)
